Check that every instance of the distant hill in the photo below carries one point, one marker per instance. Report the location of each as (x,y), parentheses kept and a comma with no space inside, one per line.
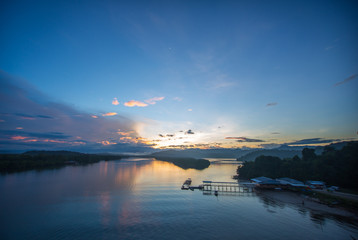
(270,152)
(203,153)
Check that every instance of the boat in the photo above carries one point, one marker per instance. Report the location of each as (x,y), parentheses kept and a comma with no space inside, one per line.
(186,184)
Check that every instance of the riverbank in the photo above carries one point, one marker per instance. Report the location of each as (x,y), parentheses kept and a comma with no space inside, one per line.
(308,202)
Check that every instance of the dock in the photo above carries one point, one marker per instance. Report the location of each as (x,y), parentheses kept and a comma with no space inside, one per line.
(224,187)
(233,187)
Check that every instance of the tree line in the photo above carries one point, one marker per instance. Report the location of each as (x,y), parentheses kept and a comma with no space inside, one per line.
(335,167)
(48,159)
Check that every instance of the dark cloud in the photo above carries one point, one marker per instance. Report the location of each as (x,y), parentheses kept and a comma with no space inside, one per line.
(275,133)
(170,135)
(160,135)
(346,80)
(44,116)
(51,135)
(271,104)
(313,141)
(189,132)
(245,139)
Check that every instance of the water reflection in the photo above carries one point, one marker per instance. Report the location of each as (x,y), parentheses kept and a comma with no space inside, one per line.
(141,199)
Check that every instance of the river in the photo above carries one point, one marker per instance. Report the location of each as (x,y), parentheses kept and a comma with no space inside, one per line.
(138,198)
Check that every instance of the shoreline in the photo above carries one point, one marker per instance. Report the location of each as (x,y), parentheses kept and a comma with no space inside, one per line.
(305,201)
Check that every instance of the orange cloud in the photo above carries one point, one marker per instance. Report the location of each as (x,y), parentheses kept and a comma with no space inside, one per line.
(18,138)
(154,100)
(124,133)
(115,101)
(134,103)
(19,128)
(109,114)
(107,143)
(94,116)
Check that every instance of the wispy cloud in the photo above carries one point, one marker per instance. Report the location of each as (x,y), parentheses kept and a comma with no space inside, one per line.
(313,141)
(271,104)
(350,78)
(109,114)
(115,101)
(178,99)
(154,100)
(245,139)
(134,103)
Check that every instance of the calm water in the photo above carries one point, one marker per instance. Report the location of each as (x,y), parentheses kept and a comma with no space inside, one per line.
(141,199)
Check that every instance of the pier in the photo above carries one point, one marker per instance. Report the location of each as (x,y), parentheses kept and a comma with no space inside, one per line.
(224,187)
(233,187)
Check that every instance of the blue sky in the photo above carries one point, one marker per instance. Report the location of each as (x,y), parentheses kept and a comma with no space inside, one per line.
(276,72)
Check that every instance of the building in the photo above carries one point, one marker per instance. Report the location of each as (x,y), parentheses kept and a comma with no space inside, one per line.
(316,184)
(266,183)
(291,182)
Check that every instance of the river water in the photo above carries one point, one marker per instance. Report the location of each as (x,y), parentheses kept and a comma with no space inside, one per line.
(141,199)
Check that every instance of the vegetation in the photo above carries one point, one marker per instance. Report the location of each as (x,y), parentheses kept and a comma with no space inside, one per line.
(335,167)
(251,156)
(47,159)
(186,163)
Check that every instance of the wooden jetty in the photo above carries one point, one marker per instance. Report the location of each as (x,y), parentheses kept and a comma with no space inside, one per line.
(232,187)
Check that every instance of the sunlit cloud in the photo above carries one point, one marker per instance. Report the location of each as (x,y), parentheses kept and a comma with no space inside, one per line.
(107,143)
(154,100)
(122,133)
(18,138)
(19,128)
(94,116)
(350,78)
(109,114)
(134,103)
(178,99)
(115,101)
(271,104)
(190,110)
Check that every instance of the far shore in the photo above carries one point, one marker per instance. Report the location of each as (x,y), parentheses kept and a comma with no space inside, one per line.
(308,202)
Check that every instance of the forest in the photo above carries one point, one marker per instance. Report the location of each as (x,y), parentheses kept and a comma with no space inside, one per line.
(334,167)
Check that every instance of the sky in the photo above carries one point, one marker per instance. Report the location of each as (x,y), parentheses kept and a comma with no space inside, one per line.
(121,76)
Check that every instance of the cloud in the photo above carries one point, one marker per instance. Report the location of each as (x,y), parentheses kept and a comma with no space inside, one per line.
(271,104)
(134,103)
(245,139)
(109,114)
(190,110)
(313,141)
(189,132)
(154,100)
(115,101)
(350,78)
(56,126)
(275,133)
(178,99)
